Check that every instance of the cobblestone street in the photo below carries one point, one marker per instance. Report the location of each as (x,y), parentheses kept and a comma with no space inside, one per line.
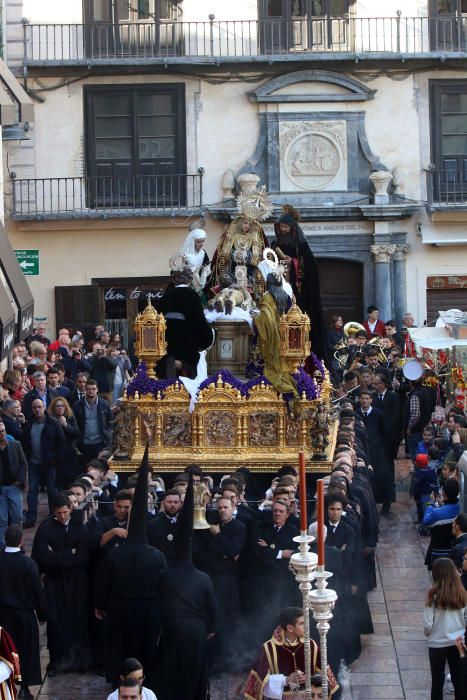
(394,661)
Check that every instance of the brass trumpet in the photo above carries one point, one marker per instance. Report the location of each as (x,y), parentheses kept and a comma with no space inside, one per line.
(378,344)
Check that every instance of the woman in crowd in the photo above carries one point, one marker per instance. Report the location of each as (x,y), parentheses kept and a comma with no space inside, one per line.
(444,621)
(70,468)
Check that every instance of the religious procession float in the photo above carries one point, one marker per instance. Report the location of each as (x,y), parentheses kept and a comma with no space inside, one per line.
(229,370)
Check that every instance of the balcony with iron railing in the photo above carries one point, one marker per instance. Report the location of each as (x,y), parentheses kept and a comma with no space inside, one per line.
(446,189)
(107,197)
(218,41)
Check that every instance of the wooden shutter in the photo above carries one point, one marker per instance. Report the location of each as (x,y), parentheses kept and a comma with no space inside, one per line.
(79,308)
(443,300)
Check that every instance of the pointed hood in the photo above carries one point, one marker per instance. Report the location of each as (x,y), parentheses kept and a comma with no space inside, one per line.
(137,528)
(184,532)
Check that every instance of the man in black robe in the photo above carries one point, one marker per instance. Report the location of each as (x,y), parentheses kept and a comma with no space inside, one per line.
(162,529)
(60,549)
(376,428)
(218,555)
(291,245)
(21,599)
(189,613)
(126,592)
(187,330)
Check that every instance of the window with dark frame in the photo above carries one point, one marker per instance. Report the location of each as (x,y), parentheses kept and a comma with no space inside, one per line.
(135,146)
(449,138)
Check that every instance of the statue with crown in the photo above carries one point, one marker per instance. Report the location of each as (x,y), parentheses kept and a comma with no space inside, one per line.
(238,380)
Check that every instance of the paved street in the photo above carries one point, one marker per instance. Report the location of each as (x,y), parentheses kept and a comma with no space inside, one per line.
(394,661)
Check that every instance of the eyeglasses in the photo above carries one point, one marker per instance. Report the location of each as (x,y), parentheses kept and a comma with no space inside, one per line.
(59,405)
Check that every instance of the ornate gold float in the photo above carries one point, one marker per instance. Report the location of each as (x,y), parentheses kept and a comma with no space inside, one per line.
(229,427)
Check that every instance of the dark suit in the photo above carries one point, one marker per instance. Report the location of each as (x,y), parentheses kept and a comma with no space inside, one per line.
(342,538)
(390,405)
(382,479)
(34,394)
(64,392)
(273,585)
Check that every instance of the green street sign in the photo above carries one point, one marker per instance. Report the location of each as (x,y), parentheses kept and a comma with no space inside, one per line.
(28,261)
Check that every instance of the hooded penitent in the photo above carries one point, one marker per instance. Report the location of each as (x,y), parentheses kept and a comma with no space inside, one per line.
(184,534)
(137,528)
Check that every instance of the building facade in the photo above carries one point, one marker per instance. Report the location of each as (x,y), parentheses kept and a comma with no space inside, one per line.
(148,112)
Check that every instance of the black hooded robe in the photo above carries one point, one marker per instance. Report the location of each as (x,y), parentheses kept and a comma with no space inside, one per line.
(305,283)
(21,598)
(189,612)
(127,590)
(187,333)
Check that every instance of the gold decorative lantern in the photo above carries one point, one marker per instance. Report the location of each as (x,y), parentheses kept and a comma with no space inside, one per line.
(150,343)
(295,346)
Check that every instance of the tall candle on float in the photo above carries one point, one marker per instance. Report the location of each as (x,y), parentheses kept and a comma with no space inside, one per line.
(302,492)
(320,520)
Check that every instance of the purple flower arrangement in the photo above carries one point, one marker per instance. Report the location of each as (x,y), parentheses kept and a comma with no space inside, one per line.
(306,384)
(143,384)
(318,364)
(229,378)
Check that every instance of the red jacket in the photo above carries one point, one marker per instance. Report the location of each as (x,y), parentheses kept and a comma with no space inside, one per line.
(380,329)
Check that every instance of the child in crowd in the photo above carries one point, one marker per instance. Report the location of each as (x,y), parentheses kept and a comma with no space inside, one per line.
(424,483)
(426,442)
(448,471)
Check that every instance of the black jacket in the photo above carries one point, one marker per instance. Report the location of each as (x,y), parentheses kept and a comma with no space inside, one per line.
(17,462)
(265,558)
(104,417)
(12,427)
(459,546)
(52,441)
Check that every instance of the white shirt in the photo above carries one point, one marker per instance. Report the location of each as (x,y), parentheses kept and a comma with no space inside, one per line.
(147,695)
(11,550)
(372,325)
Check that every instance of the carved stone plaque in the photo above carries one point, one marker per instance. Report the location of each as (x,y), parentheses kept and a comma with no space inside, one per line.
(313,155)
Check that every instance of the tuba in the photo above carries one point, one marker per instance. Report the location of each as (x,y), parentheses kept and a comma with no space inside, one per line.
(341,350)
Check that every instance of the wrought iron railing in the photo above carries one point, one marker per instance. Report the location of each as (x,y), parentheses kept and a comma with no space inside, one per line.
(243,39)
(105,197)
(447,187)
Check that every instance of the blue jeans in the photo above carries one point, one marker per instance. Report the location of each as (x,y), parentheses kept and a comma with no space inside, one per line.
(11,508)
(412,442)
(37,473)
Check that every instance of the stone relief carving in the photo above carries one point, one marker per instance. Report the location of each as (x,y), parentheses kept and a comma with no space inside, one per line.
(382,253)
(401,252)
(313,153)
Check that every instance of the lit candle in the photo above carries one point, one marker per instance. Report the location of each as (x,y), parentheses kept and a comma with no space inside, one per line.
(320,520)
(302,491)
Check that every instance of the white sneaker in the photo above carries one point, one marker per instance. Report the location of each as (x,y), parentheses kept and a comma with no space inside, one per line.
(448,686)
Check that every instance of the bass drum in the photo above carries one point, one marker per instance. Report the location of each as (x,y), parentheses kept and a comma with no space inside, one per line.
(412,370)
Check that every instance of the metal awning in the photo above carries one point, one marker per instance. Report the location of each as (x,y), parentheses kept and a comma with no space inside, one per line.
(15,104)
(18,286)
(7,323)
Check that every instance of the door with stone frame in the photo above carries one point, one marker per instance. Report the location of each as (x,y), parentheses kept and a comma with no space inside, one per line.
(341,284)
